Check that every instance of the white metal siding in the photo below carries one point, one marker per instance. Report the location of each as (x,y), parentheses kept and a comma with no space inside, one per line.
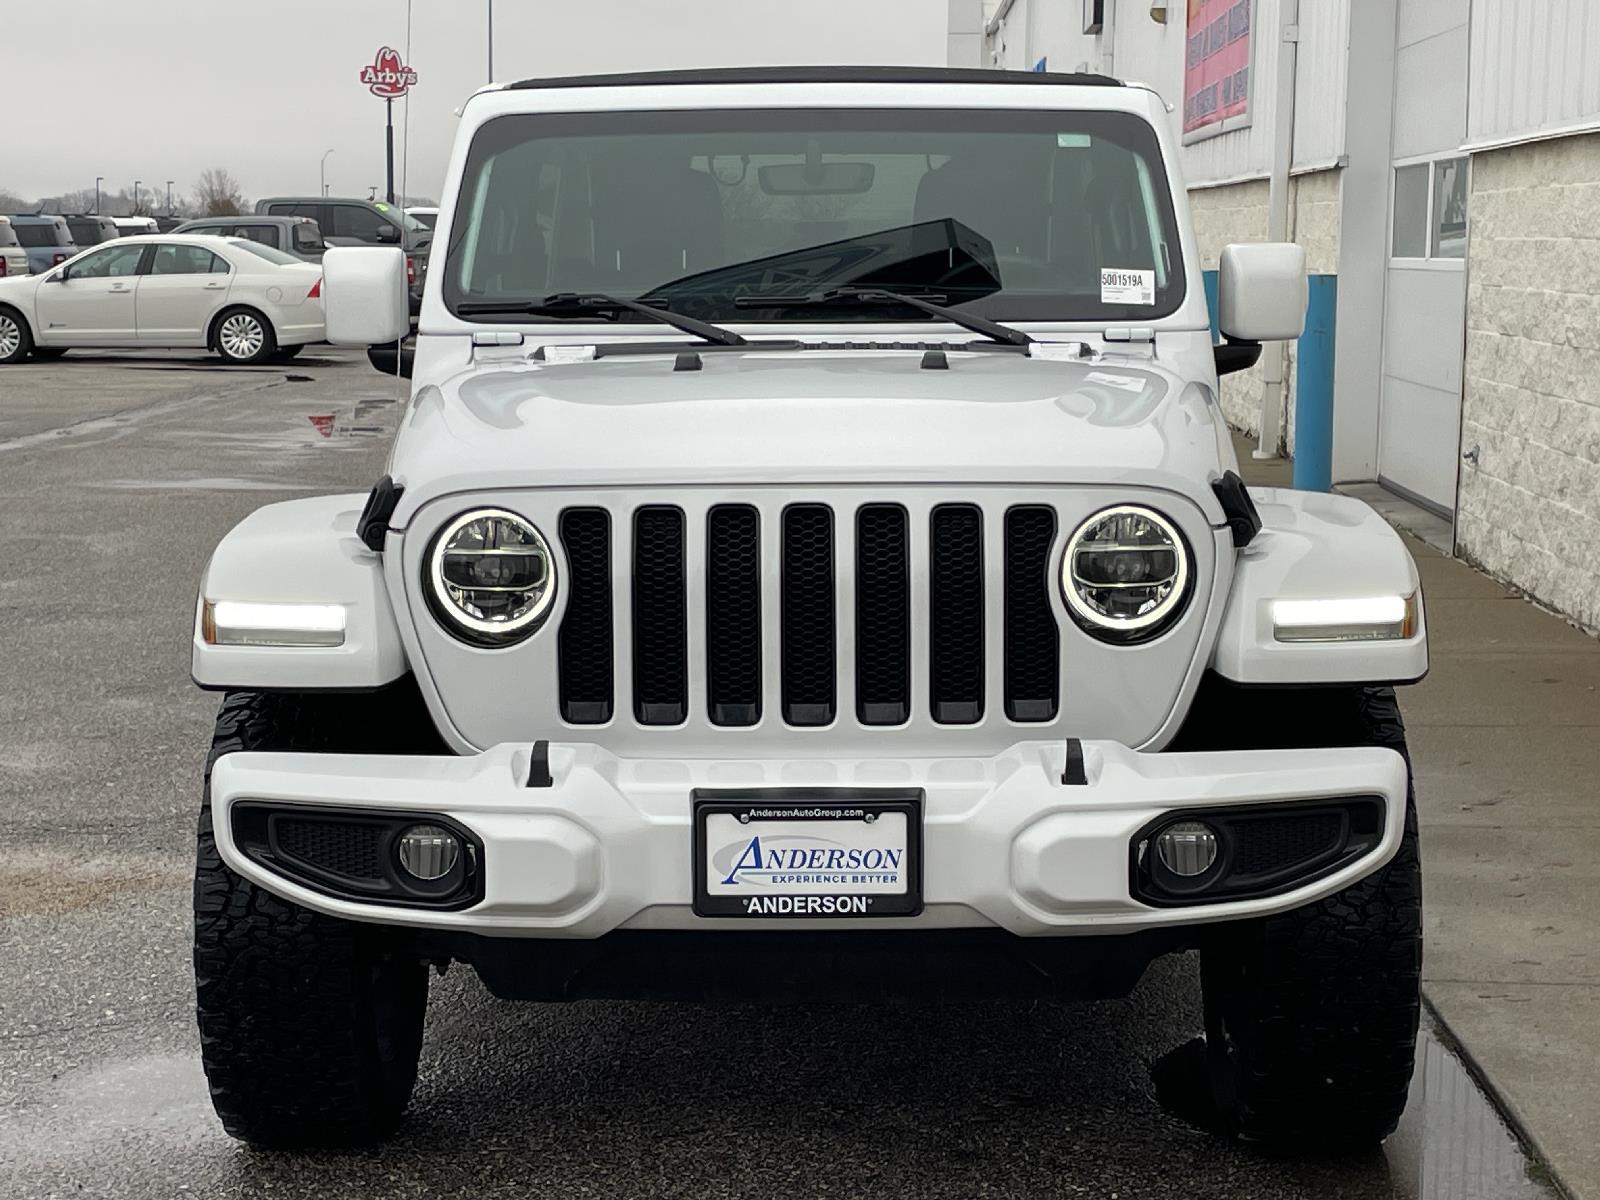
(1535,68)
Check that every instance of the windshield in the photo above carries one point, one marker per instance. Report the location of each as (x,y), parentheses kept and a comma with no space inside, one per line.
(271,254)
(1011,214)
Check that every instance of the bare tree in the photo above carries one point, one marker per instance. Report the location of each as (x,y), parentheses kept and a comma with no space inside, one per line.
(218,194)
(11,202)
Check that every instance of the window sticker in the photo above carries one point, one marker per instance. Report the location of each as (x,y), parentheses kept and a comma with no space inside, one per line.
(1072,141)
(1127,287)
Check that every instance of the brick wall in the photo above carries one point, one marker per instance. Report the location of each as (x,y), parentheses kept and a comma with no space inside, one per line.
(1530,509)
(1238,213)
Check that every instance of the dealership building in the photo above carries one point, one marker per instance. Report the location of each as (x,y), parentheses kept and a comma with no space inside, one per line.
(1439,160)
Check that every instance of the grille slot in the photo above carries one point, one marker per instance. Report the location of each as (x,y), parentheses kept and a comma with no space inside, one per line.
(955,616)
(1267,845)
(1032,641)
(807,633)
(883,615)
(733,614)
(584,649)
(345,848)
(660,617)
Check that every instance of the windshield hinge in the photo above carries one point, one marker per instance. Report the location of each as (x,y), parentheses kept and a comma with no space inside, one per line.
(555,352)
(1130,333)
(496,337)
(1060,351)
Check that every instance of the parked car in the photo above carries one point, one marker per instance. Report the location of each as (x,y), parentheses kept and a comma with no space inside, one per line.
(299,236)
(90,230)
(169,224)
(13,258)
(351,221)
(245,301)
(428,217)
(852,605)
(136,226)
(47,239)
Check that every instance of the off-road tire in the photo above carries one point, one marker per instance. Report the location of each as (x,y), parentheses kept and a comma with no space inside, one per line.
(244,350)
(16,339)
(1311,1016)
(310,1026)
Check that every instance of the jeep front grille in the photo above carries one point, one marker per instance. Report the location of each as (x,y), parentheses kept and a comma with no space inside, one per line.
(888,671)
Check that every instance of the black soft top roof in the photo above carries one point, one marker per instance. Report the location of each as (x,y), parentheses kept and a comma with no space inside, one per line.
(818,75)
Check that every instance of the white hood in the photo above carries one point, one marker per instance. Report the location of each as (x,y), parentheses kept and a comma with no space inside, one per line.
(813,416)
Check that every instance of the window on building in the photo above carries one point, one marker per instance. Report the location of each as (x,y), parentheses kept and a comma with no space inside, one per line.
(1430,210)
(1411,212)
(1449,229)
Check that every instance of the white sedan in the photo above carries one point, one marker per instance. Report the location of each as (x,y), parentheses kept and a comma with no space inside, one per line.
(246,301)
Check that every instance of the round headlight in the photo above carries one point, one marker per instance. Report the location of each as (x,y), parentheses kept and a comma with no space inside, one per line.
(1126,573)
(491,576)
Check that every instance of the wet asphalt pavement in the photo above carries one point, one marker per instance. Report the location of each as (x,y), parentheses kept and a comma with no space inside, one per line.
(117,476)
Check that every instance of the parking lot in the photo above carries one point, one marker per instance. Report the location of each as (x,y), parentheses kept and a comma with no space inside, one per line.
(117,476)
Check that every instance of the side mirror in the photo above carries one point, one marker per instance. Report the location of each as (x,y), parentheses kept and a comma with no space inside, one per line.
(1262,292)
(388,234)
(364,297)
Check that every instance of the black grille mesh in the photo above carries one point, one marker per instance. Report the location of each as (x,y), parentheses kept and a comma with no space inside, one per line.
(808,615)
(733,614)
(883,615)
(348,849)
(1268,844)
(955,626)
(1032,640)
(660,620)
(585,644)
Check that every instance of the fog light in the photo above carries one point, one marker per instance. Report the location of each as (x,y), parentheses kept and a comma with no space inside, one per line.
(1187,848)
(429,852)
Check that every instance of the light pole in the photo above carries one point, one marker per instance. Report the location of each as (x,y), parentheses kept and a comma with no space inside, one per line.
(98,180)
(136,184)
(169,197)
(322,171)
(491,41)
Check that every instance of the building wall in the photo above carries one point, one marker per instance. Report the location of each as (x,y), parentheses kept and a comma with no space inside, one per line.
(1238,213)
(1530,507)
(1534,69)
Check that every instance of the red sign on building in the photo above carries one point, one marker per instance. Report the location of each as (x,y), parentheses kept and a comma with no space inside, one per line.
(388,78)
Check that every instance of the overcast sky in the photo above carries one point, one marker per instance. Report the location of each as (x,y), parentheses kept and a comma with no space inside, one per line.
(162,89)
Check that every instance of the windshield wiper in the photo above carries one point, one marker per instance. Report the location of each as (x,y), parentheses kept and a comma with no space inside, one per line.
(992,330)
(596,304)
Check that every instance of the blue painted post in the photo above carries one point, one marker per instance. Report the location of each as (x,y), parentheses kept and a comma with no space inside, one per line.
(1313,390)
(1210,278)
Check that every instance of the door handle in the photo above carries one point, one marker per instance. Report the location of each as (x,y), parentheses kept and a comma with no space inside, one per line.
(215,287)
(120,287)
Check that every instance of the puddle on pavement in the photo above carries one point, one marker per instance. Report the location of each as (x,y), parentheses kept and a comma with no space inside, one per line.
(1451,1145)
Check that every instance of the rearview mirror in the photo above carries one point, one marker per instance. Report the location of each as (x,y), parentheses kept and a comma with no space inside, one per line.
(1262,291)
(820,179)
(388,234)
(364,297)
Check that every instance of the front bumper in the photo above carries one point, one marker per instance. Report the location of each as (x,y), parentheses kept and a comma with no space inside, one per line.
(608,846)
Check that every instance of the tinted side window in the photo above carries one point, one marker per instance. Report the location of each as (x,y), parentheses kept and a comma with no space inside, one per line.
(186,260)
(351,221)
(112,263)
(267,235)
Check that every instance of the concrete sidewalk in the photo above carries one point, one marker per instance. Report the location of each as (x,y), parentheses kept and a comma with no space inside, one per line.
(1505,739)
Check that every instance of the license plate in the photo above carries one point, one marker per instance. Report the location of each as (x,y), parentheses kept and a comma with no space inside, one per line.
(808,854)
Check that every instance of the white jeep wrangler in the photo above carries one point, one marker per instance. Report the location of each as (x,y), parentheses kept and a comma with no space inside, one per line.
(811,564)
